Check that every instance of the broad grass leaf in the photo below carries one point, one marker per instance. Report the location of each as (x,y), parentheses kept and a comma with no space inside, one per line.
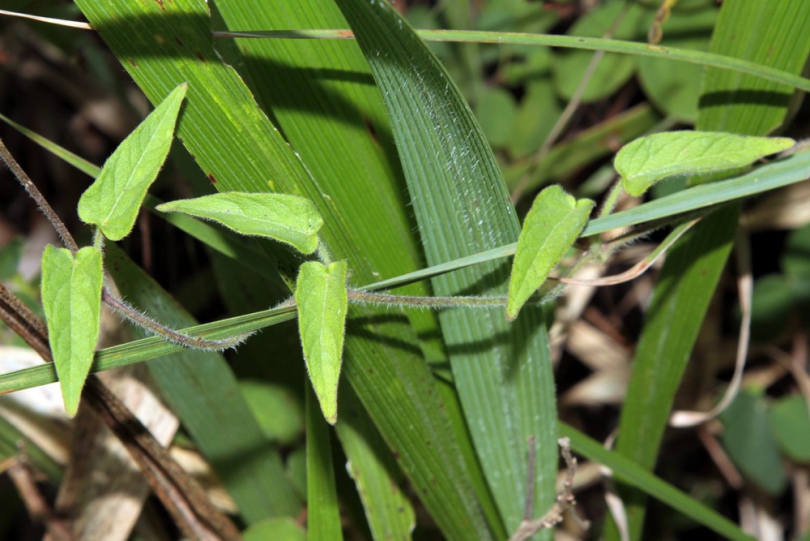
(552,225)
(320,293)
(113,200)
(650,159)
(71,297)
(286,218)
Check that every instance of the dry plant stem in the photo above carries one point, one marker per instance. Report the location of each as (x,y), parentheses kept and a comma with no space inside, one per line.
(24,322)
(636,270)
(117,304)
(38,198)
(179,493)
(146,322)
(182,496)
(565,499)
(20,473)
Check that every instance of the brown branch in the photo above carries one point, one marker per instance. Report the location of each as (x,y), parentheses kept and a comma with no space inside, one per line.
(188,503)
(38,198)
(20,473)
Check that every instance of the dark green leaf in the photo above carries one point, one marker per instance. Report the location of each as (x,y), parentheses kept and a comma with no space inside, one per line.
(791,427)
(748,439)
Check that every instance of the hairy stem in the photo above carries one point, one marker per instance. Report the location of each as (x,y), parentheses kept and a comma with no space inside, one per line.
(171,335)
(38,198)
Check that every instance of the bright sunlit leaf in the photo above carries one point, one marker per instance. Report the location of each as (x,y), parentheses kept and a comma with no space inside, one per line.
(286,218)
(71,297)
(113,200)
(552,225)
(651,159)
(322,299)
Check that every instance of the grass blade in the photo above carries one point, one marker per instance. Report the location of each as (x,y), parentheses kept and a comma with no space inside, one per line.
(690,274)
(323,516)
(502,373)
(233,142)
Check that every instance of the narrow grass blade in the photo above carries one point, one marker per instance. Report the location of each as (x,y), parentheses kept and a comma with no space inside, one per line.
(203,391)
(550,228)
(322,300)
(71,297)
(627,471)
(285,218)
(657,157)
(690,274)
(502,373)
(112,202)
(147,349)
(714,60)
(76,161)
(778,174)
(323,515)
(378,479)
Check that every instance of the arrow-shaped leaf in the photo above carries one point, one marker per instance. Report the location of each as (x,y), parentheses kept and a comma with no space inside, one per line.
(286,218)
(113,200)
(71,296)
(650,159)
(322,299)
(551,227)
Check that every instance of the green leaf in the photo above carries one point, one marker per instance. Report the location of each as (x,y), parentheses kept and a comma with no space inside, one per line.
(320,293)
(278,529)
(71,296)
(113,200)
(650,159)
(286,218)
(749,440)
(552,225)
(791,427)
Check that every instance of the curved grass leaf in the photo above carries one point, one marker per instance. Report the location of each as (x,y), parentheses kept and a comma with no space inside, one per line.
(286,218)
(552,225)
(320,293)
(113,200)
(502,372)
(657,157)
(71,297)
(730,102)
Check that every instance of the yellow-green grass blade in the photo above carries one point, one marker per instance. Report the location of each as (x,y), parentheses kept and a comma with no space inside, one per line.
(691,271)
(778,174)
(203,391)
(232,140)
(711,59)
(502,372)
